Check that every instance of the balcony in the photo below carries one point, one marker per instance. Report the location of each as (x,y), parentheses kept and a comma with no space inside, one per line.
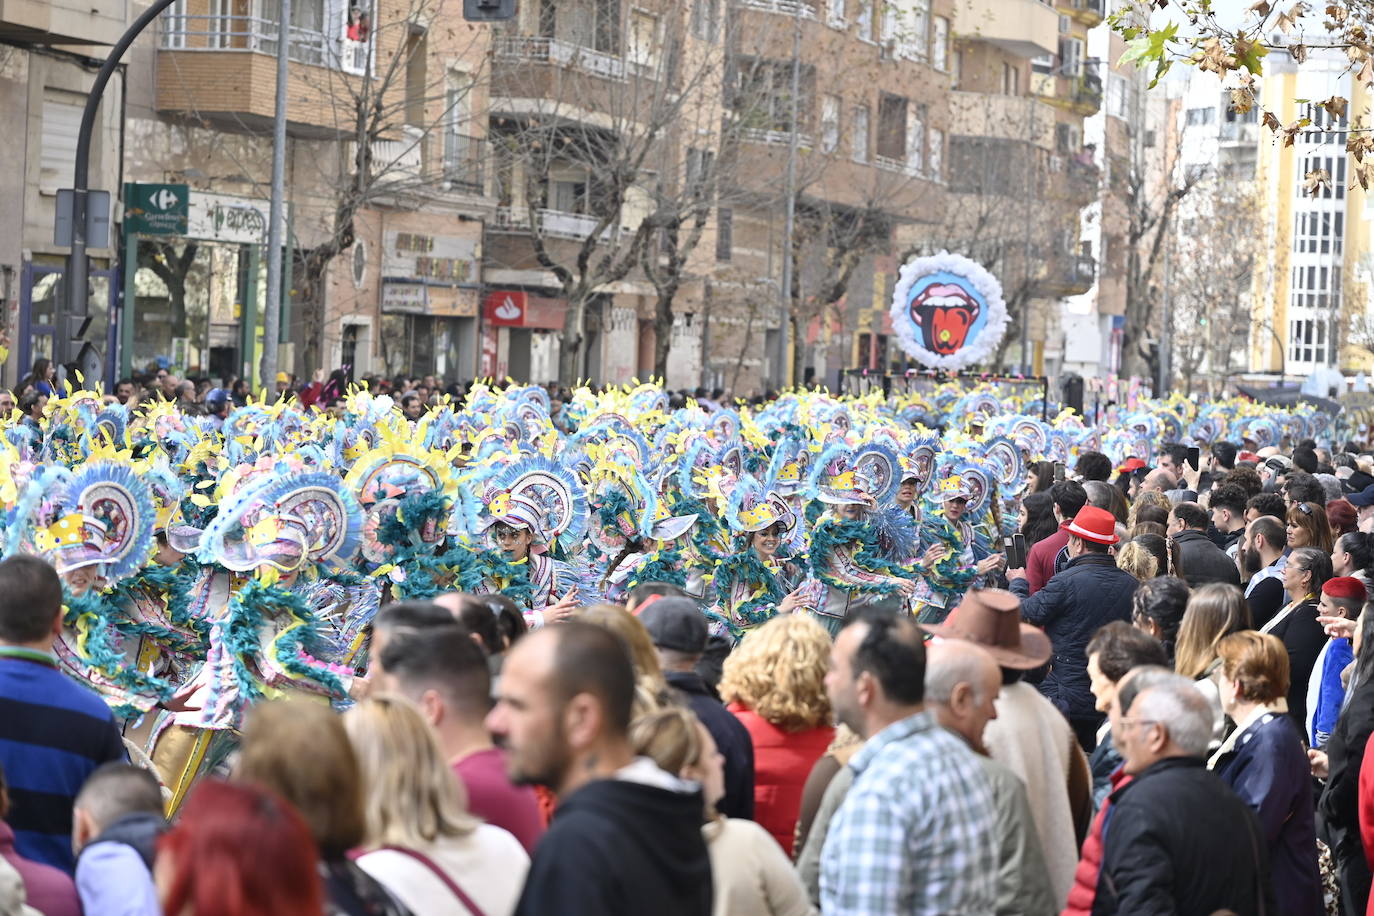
(1089,12)
(1070,275)
(556,224)
(900,166)
(774,137)
(63,22)
(222,68)
(1026,28)
(528,49)
(1005,117)
(1086,89)
(1241,132)
(464,158)
(797,8)
(396,162)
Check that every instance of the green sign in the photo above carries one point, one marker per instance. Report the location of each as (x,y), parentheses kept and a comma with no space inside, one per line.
(156,209)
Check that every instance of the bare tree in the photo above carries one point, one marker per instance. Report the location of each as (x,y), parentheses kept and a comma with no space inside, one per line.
(607,162)
(395,114)
(1214,254)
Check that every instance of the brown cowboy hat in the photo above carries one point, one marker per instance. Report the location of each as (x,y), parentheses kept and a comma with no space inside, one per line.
(991,617)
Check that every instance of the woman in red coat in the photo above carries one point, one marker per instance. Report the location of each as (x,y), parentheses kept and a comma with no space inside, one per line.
(775,683)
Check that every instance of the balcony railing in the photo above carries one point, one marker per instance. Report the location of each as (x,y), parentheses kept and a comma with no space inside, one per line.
(566,54)
(255,35)
(556,224)
(786,7)
(1239,131)
(773,137)
(895,165)
(463,160)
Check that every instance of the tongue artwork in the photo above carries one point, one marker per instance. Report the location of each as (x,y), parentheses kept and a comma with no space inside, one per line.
(947,311)
(944,313)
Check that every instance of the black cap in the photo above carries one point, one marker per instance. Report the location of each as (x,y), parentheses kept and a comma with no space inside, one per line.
(1363,498)
(676,624)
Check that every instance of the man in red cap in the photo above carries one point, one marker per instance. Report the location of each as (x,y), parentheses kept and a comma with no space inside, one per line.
(1088,594)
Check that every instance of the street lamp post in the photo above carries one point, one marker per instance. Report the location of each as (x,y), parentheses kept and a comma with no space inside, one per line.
(73,312)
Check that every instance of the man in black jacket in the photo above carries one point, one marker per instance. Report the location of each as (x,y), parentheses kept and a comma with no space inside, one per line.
(1199,561)
(1176,838)
(626,838)
(1089,594)
(678,629)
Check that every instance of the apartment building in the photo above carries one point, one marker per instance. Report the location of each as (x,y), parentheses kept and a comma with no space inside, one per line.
(1114,136)
(49,53)
(1316,274)
(1023,171)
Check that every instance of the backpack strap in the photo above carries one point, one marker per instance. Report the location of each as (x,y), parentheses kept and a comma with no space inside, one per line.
(442,875)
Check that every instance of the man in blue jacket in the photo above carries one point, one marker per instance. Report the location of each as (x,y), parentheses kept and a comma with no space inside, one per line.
(1088,594)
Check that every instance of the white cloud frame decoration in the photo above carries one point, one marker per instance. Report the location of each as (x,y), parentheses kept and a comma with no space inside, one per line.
(945,269)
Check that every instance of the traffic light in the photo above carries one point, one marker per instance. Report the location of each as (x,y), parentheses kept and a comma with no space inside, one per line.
(488,10)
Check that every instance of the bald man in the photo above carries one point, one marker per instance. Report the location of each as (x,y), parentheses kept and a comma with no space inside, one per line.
(962,683)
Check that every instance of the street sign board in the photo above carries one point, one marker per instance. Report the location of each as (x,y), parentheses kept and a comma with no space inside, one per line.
(156,209)
(97,219)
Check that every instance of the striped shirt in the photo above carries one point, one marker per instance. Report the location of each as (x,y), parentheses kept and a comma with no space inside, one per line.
(916,833)
(53,733)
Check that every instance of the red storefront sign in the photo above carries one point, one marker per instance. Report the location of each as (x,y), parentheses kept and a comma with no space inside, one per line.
(506,308)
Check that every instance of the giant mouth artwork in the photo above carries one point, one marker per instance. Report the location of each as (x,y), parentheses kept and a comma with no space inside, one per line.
(944,312)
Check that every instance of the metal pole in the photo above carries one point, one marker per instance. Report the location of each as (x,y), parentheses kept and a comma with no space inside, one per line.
(1166,336)
(790,205)
(271,324)
(71,319)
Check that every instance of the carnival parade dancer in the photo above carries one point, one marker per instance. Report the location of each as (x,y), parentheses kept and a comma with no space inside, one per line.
(755,583)
(209,566)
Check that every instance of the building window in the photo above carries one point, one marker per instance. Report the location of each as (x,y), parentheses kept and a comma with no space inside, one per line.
(1071,56)
(937,154)
(859,133)
(892,127)
(644,42)
(705,19)
(1314,286)
(1308,339)
(830,123)
(1334,166)
(916,141)
(1011,79)
(1324,129)
(834,12)
(1319,232)
(939,43)
(765,93)
(1196,117)
(914,34)
(864,19)
(699,167)
(61,125)
(725,219)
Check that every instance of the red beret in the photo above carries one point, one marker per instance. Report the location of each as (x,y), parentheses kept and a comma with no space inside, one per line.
(1346,587)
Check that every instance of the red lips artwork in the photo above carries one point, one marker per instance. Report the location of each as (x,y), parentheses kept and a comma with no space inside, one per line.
(944,312)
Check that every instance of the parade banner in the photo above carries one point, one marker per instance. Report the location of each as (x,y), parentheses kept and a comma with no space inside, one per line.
(947,311)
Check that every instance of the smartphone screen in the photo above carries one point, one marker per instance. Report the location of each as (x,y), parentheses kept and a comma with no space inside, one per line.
(1194,456)
(1018,552)
(1058,471)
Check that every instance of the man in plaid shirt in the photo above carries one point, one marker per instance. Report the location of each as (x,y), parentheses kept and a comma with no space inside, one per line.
(916,833)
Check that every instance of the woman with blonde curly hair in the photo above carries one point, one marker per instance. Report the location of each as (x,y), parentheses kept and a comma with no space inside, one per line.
(1137,560)
(775,684)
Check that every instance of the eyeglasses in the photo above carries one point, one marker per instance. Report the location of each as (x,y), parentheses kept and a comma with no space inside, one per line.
(1304,508)
(1128,721)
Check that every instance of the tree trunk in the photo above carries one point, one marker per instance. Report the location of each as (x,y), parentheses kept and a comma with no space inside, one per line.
(663,329)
